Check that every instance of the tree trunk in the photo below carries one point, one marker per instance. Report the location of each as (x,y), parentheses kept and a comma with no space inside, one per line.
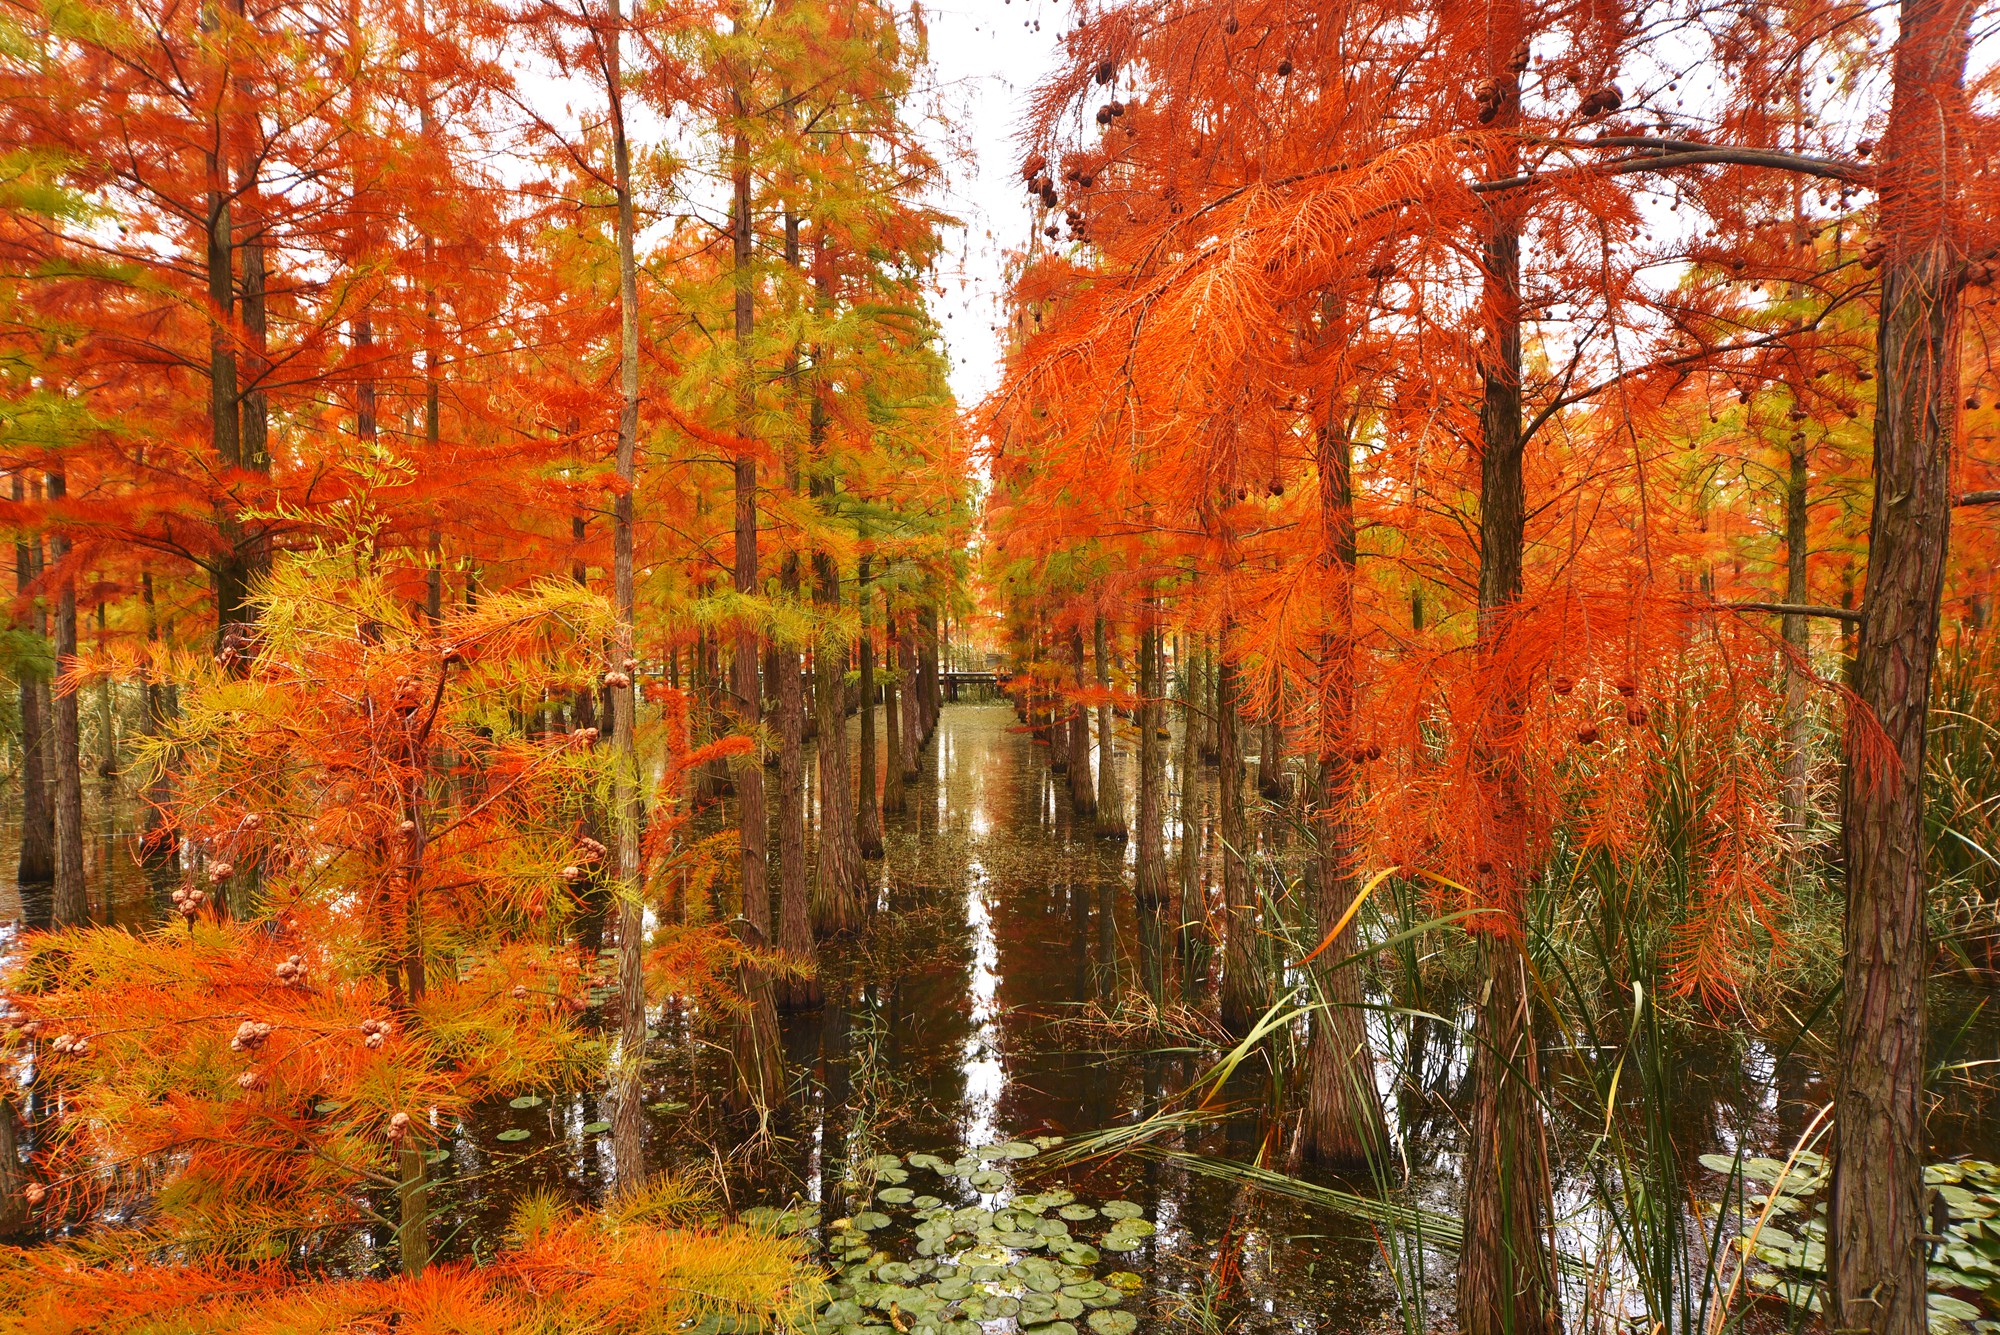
(1245,994)
(159,848)
(930,688)
(1082,794)
(752,820)
(37,864)
(1877,1264)
(1211,726)
(1193,904)
(837,906)
(72,903)
(756,1057)
(1506,1274)
(1343,1123)
(868,812)
(892,718)
(912,688)
(1110,796)
(628,1123)
(1798,643)
(413,1235)
(1150,872)
(795,936)
(15,1214)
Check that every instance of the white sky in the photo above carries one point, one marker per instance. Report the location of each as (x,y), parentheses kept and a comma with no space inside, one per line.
(985,55)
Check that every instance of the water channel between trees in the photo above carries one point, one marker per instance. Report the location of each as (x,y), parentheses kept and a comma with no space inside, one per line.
(1008,992)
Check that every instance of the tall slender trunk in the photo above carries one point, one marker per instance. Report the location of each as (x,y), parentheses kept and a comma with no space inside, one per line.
(1506,1275)
(1876,1262)
(107,725)
(1343,1122)
(868,812)
(1110,796)
(37,864)
(1245,991)
(72,903)
(837,904)
(892,717)
(795,936)
(1150,872)
(1082,793)
(159,849)
(753,823)
(15,1213)
(930,696)
(230,573)
(1193,903)
(628,1124)
(433,418)
(912,747)
(1210,741)
(1798,643)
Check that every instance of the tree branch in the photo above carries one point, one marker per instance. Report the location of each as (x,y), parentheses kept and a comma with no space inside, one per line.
(1794,610)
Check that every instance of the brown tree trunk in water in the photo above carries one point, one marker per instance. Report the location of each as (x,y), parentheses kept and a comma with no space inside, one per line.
(1244,991)
(1210,741)
(1506,1275)
(72,902)
(627,1120)
(1082,794)
(1110,795)
(868,812)
(795,935)
(892,718)
(1192,903)
(1343,1122)
(837,906)
(911,706)
(159,848)
(929,686)
(37,863)
(1875,1260)
(756,1057)
(1149,880)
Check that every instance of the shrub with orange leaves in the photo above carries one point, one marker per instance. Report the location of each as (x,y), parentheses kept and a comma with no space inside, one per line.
(381,851)
(653,1262)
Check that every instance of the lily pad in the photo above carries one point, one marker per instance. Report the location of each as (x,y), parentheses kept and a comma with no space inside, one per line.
(870,1220)
(988,1180)
(926,1202)
(514,1134)
(437,1156)
(670,1106)
(1121,1210)
(526,1101)
(1112,1322)
(1077,1212)
(327,1106)
(596,1128)
(1122,1242)
(895,1195)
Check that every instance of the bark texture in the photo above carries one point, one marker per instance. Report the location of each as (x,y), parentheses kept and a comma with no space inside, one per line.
(1110,792)
(1876,1260)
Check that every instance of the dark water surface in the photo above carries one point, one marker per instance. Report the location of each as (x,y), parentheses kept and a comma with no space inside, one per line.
(1002,993)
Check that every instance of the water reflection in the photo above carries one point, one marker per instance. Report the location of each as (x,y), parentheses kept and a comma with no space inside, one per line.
(960,1018)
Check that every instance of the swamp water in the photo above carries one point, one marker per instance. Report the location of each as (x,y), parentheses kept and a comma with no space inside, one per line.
(998,1008)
